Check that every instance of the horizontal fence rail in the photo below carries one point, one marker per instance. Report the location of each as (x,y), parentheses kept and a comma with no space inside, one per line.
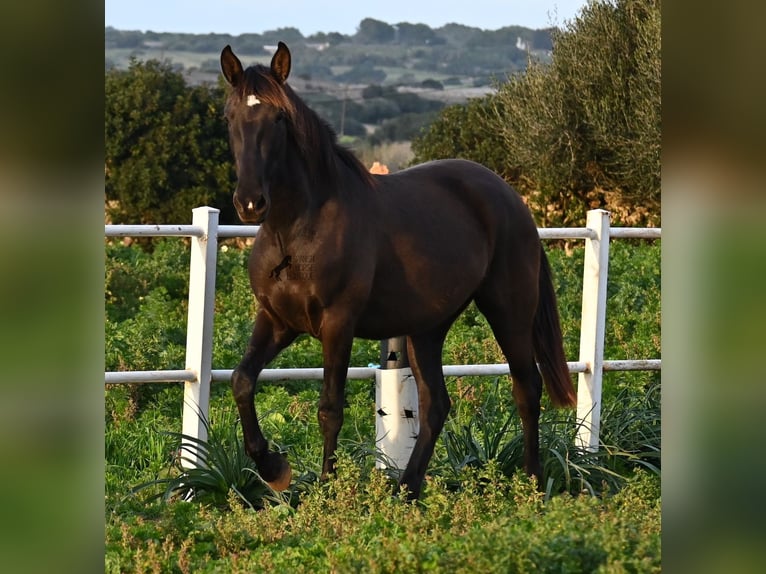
(229,231)
(197,377)
(153,231)
(317,373)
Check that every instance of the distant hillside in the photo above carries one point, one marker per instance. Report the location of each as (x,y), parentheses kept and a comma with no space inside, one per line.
(383,84)
(455,57)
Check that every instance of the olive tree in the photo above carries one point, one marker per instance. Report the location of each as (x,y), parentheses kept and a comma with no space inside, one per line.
(579,132)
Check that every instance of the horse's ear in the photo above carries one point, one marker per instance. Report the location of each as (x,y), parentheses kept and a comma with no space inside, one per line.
(280,63)
(231,67)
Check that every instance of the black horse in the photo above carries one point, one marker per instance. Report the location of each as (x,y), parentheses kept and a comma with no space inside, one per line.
(342,253)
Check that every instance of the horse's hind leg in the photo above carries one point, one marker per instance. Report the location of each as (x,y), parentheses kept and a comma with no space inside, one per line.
(267,340)
(512,327)
(424,353)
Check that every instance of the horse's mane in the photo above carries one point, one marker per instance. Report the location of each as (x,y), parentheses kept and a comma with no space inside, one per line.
(315,138)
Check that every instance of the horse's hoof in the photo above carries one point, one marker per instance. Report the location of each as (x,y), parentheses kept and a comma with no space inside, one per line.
(277,472)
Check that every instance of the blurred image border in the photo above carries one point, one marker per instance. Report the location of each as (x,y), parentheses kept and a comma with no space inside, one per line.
(714,286)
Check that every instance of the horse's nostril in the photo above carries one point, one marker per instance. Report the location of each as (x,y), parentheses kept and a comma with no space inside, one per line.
(257,206)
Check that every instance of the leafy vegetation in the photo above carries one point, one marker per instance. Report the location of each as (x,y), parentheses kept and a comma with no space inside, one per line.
(579,132)
(598,510)
(353,524)
(166,146)
(211,469)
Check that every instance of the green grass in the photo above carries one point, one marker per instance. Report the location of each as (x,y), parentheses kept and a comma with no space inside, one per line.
(598,511)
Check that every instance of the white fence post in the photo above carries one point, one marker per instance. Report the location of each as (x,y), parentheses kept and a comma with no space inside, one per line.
(199,329)
(397,420)
(593,324)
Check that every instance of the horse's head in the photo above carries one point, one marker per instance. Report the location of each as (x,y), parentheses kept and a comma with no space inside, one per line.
(257,115)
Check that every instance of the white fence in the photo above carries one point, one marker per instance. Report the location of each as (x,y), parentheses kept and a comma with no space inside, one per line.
(199,374)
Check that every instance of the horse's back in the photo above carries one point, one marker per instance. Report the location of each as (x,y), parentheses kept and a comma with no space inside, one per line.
(456,192)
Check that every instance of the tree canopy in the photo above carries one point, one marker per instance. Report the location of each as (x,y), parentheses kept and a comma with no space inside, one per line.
(166,146)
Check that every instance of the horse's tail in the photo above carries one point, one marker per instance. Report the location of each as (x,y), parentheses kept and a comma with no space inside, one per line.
(548,342)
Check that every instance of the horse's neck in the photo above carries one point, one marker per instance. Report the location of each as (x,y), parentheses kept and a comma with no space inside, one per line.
(310,225)
(295,215)
(309,194)
(292,199)
(306,191)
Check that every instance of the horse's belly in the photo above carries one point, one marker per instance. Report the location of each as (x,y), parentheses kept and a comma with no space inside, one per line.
(377,327)
(423,282)
(404,309)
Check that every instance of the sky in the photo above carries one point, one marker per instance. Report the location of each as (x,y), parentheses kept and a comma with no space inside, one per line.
(310,16)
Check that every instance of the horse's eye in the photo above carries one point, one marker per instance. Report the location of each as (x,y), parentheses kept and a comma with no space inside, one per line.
(281,115)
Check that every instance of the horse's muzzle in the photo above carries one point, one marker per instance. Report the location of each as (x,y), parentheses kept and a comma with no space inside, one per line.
(253,210)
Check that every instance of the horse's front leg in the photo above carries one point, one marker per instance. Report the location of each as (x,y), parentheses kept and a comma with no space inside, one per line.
(337,339)
(268,339)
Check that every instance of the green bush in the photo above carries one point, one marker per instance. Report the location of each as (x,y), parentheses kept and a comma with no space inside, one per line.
(581,131)
(166,146)
(463,131)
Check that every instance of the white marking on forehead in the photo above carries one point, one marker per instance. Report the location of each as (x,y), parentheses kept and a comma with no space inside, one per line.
(252,100)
